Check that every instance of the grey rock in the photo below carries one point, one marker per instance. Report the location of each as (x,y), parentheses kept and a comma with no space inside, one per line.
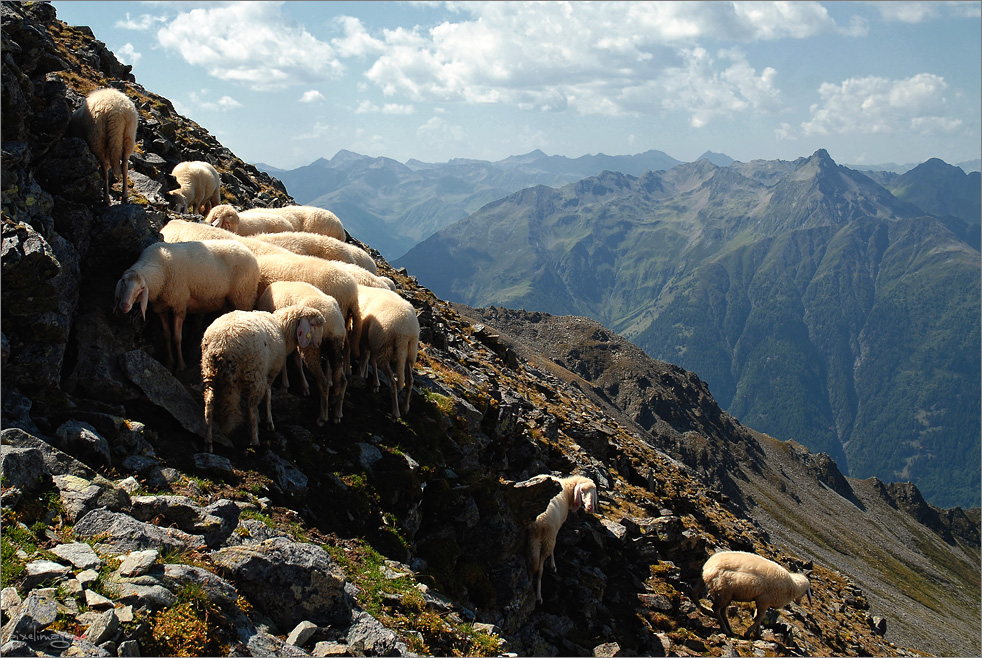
(368,637)
(264,644)
(97,601)
(128,648)
(9,599)
(286,477)
(215,522)
(607,650)
(81,495)
(87,577)
(368,455)
(103,628)
(129,485)
(23,468)
(138,563)
(35,613)
(164,390)
(151,596)
(213,464)
(618,531)
(289,581)
(301,633)
(124,614)
(82,439)
(40,571)
(125,534)
(79,554)
(56,461)
(139,463)
(217,589)
(251,532)
(328,648)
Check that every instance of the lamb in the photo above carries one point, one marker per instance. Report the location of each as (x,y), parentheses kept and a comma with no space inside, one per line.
(179,230)
(228,218)
(188,277)
(333,345)
(322,246)
(328,276)
(739,576)
(107,120)
(241,354)
(578,491)
(201,187)
(390,336)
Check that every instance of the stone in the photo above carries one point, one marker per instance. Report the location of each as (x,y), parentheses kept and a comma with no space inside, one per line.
(125,534)
(151,596)
(124,614)
(288,581)
(40,571)
(213,464)
(56,461)
(301,633)
(35,613)
(368,637)
(80,495)
(23,468)
(618,531)
(103,628)
(368,455)
(286,477)
(215,522)
(97,601)
(128,648)
(83,440)
(164,390)
(138,563)
(264,644)
(217,589)
(327,648)
(607,650)
(655,601)
(87,577)
(79,554)
(129,485)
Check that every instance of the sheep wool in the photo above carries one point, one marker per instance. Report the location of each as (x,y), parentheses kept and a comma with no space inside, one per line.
(577,491)
(738,576)
(390,338)
(332,343)
(241,354)
(188,277)
(200,187)
(322,246)
(179,230)
(226,217)
(107,120)
(309,219)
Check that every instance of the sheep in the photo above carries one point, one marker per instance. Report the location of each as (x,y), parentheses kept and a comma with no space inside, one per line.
(328,276)
(107,121)
(179,230)
(241,354)
(200,187)
(322,246)
(739,576)
(333,345)
(226,217)
(195,277)
(390,336)
(366,278)
(578,491)
(309,219)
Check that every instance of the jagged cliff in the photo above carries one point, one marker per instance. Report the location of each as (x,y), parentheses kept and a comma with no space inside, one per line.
(374,536)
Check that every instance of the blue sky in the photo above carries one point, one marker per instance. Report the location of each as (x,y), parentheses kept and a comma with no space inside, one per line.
(285,83)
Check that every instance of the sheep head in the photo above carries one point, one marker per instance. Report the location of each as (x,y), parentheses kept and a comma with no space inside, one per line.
(131,286)
(803,586)
(224,216)
(585,495)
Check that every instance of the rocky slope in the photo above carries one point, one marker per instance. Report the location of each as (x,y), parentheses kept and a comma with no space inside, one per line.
(371,537)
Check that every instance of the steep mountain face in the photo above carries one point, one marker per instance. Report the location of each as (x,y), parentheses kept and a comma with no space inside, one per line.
(394,206)
(946,192)
(816,304)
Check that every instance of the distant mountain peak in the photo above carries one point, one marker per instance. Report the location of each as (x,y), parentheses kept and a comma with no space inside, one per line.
(718,159)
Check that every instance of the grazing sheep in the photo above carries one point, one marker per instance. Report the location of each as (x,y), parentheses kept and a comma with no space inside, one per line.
(577,492)
(179,230)
(738,576)
(107,120)
(366,278)
(188,277)
(390,337)
(228,218)
(328,276)
(201,187)
(309,219)
(241,354)
(322,246)
(333,344)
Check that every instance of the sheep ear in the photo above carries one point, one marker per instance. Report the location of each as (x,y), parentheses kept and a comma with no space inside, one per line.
(577,497)
(303,332)
(118,294)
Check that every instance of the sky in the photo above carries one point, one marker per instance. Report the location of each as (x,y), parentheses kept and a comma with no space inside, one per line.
(286,83)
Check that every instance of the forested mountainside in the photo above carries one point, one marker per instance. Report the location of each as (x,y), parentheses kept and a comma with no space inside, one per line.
(376,536)
(817,305)
(393,206)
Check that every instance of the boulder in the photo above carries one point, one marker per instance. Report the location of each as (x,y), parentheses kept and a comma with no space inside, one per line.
(164,390)
(123,534)
(35,613)
(80,495)
(83,440)
(79,554)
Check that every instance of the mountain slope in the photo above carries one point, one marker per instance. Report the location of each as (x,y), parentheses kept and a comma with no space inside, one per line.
(807,296)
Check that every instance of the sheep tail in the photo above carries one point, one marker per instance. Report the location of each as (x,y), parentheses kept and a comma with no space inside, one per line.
(115,135)
(221,379)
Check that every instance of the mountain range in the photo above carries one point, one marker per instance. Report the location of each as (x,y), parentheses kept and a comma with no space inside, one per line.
(817,304)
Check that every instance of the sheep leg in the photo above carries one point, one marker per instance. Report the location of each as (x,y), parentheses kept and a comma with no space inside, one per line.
(340,385)
(754,630)
(312,357)
(393,385)
(719,610)
(209,414)
(304,386)
(165,323)
(284,378)
(178,334)
(124,193)
(408,385)
(253,413)
(269,408)
(105,184)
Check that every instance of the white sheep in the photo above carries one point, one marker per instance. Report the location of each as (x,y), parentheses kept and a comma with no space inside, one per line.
(200,187)
(578,491)
(330,277)
(366,278)
(241,354)
(333,344)
(188,277)
(226,217)
(322,246)
(180,230)
(309,219)
(390,337)
(107,120)
(738,576)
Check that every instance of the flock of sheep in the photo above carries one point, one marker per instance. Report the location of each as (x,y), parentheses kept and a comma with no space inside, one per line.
(297,288)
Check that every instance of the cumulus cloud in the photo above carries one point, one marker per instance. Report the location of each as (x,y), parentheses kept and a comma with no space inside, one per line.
(203,101)
(917,12)
(318,131)
(367,107)
(877,105)
(594,58)
(143,23)
(440,130)
(356,41)
(312,96)
(128,54)
(251,43)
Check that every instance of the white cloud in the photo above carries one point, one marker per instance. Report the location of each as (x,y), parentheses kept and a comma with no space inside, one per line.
(616,58)
(128,54)
(143,23)
(368,107)
(917,12)
(201,100)
(251,43)
(356,41)
(318,131)
(312,96)
(439,130)
(874,105)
